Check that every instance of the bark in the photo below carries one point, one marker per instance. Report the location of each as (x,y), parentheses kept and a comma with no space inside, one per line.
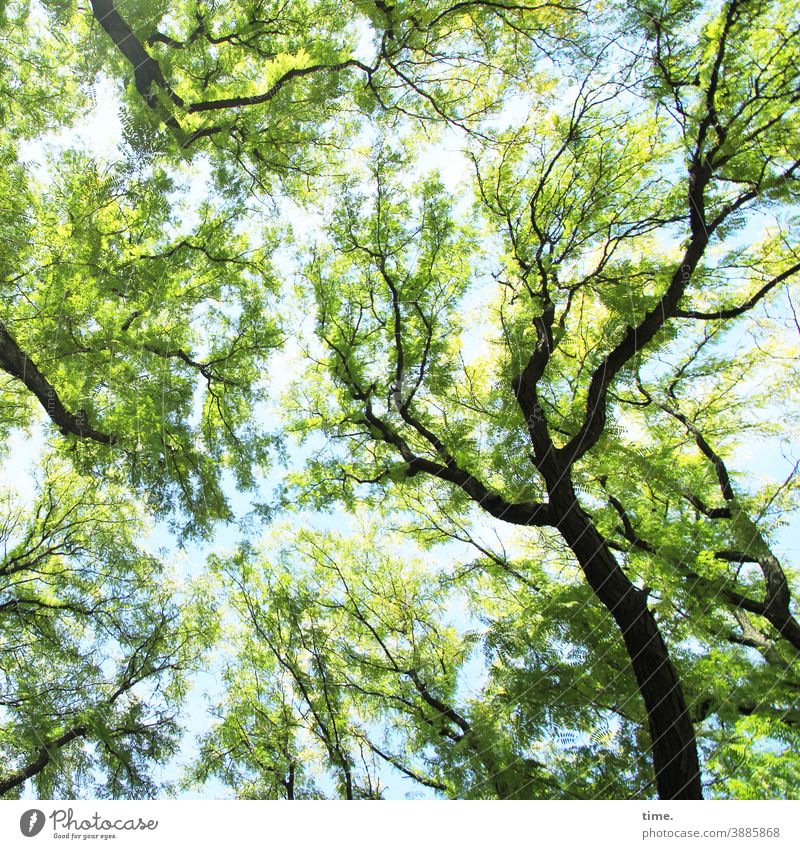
(147,71)
(41,760)
(674,747)
(14,361)
(257,99)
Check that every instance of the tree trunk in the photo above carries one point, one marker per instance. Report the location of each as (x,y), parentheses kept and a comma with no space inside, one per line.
(674,747)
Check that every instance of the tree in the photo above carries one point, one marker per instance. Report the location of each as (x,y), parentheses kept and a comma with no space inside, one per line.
(560,357)
(335,649)
(140,338)
(95,656)
(363,666)
(352,663)
(581,206)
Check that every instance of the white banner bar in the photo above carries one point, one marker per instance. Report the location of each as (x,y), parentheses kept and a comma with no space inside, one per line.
(401,824)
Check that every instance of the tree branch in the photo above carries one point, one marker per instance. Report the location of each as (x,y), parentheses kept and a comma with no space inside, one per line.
(733,312)
(14,361)
(42,759)
(147,72)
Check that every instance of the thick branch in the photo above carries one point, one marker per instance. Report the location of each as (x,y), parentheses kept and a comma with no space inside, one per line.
(635,339)
(147,71)
(14,361)
(520,513)
(440,707)
(775,607)
(525,386)
(42,759)
(700,173)
(180,354)
(398,765)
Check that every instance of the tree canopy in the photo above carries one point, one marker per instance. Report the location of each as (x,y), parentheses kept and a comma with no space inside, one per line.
(470,327)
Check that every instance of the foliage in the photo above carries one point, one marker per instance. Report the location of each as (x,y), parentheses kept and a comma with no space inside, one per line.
(151,333)
(93,648)
(572,345)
